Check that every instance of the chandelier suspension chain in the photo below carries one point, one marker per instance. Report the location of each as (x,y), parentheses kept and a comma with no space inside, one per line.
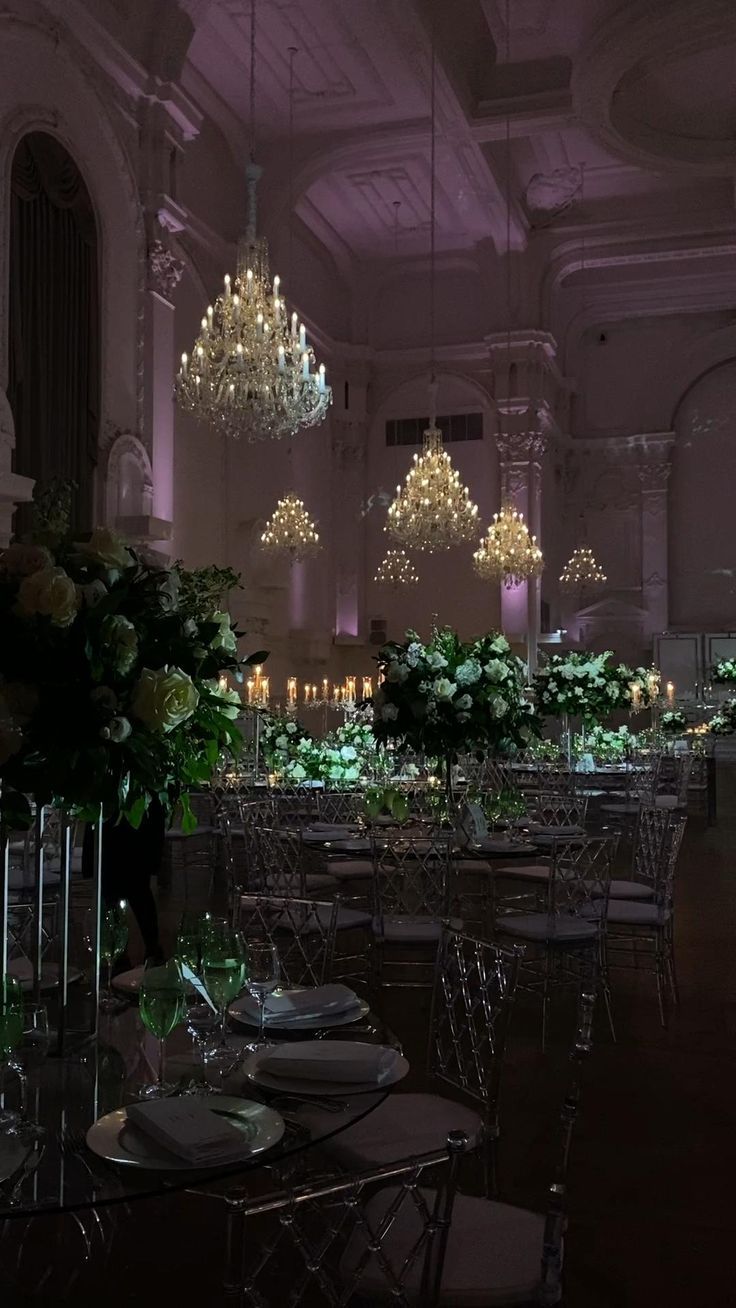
(433,209)
(252,81)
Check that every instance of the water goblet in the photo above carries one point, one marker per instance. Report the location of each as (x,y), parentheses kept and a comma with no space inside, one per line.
(35,1039)
(224,974)
(11,1032)
(161,1002)
(113,940)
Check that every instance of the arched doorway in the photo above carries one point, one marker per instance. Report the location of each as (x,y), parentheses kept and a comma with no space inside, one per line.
(53,365)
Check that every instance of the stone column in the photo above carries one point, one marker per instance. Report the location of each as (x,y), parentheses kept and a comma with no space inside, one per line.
(348,463)
(653,477)
(521,451)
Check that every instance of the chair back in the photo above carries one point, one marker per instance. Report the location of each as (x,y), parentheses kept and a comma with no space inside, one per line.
(412,875)
(664,888)
(643,776)
(294,808)
(472,1001)
(303,931)
(554,778)
(650,843)
(331,1241)
(279,865)
(340,806)
(683,769)
(580,879)
(554,809)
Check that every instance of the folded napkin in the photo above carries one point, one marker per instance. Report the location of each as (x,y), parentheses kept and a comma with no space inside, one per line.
(340,1061)
(294,1005)
(188,1128)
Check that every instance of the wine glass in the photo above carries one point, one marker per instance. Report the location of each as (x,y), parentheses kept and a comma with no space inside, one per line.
(35,1039)
(162,1002)
(11,1031)
(113,940)
(223,973)
(263,978)
(202,1022)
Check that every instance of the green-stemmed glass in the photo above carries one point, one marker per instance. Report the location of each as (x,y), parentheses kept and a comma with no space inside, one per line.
(162,1004)
(113,940)
(224,973)
(11,1032)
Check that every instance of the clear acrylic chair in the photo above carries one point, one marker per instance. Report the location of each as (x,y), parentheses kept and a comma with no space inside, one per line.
(294,808)
(330,1242)
(472,1003)
(640,932)
(340,806)
(565,935)
(556,809)
(675,798)
(282,865)
(649,852)
(497,1255)
(303,931)
(412,893)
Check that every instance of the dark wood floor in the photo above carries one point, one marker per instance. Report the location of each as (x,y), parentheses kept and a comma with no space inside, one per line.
(652,1210)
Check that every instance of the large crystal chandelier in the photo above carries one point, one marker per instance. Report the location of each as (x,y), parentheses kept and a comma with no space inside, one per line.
(290,530)
(582,570)
(252,372)
(433,511)
(508,553)
(396,570)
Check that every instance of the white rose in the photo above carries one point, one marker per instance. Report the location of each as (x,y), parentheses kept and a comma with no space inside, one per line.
(464,703)
(119,730)
(498,706)
(297,772)
(107,549)
(21,560)
(397,672)
(444,689)
(552,685)
(495,670)
(11,741)
(500,645)
(49,593)
(282,742)
(93,592)
(348,752)
(224,638)
(229,703)
(120,643)
(389,713)
(165,698)
(436,661)
(291,727)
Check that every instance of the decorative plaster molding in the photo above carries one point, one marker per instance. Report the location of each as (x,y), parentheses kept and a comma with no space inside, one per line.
(164,270)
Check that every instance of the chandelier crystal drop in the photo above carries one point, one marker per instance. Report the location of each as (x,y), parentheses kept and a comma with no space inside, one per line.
(396,570)
(433,510)
(582,570)
(508,553)
(290,530)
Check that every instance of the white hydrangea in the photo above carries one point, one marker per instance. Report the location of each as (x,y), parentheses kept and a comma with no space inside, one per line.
(436,661)
(468,672)
(414,654)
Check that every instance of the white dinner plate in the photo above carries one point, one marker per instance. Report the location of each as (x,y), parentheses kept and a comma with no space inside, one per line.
(304,1087)
(113,1138)
(310,1023)
(22,969)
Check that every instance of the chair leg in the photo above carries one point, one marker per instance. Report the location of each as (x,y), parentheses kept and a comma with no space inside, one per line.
(661,984)
(671,969)
(545,996)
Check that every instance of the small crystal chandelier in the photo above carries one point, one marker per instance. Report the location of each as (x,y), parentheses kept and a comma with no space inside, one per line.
(252,372)
(290,530)
(396,570)
(508,553)
(582,570)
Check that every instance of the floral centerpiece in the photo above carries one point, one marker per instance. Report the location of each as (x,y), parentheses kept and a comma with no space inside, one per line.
(640,686)
(582,685)
(327,761)
(724,671)
(452,696)
(605,746)
(109,690)
(723,723)
(673,722)
(280,736)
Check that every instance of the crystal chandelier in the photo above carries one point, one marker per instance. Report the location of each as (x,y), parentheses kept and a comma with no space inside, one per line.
(434,510)
(508,553)
(290,530)
(582,570)
(252,372)
(396,569)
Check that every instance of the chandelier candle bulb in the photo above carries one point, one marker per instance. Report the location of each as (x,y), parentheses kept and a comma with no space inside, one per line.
(302,336)
(305,366)
(282,359)
(294,321)
(184,362)
(321,379)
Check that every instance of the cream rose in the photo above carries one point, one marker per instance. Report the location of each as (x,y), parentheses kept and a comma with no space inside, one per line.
(49,593)
(230,702)
(165,698)
(21,560)
(107,549)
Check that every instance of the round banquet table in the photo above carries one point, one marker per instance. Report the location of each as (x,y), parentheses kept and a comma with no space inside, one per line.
(101,1075)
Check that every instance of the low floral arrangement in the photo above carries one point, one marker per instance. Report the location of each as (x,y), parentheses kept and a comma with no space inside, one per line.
(280,736)
(109,689)
(583,685)
(724,671)
(673,722)
(723,723)
(605,746)
(543,751)
(451,696)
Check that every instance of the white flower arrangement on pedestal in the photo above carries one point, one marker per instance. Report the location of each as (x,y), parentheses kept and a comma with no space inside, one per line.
(724,671)
(579,685)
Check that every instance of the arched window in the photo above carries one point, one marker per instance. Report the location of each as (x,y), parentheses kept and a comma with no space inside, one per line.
(54,374)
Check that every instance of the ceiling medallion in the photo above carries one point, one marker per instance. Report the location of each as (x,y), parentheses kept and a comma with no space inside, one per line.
(396,570)
(508,553)
(582,570)
(290,530)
